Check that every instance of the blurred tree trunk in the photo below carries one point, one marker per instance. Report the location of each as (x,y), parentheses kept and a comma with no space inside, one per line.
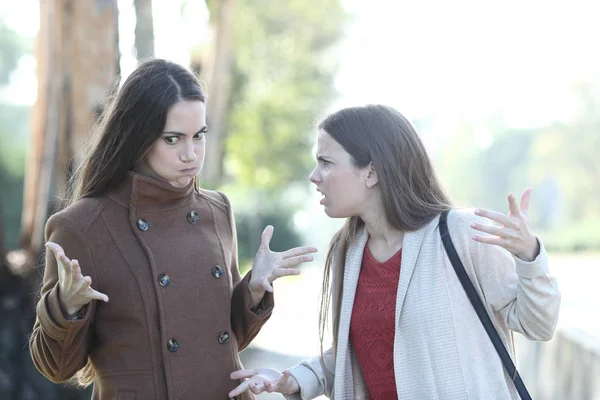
(78,62)
(144,29)
(2,244)
(219,89)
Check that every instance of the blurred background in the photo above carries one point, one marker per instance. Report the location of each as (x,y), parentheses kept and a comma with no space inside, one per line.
(506,95)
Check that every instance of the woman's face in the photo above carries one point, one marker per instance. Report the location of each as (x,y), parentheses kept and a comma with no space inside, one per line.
(344,187)
(177,155)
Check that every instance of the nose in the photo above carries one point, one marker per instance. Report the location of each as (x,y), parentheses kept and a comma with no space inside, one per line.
(314,176)
(188,153)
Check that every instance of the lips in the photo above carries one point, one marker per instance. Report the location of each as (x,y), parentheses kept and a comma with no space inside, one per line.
(322,198)
(189,170)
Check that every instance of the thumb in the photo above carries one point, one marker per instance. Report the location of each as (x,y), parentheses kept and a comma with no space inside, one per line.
(266,236)
(267,286)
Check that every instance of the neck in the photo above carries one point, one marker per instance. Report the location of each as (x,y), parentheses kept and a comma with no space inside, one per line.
(143,169)
(384,240)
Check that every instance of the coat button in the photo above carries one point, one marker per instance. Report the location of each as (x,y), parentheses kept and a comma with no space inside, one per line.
(193,217)
(217,271)
(172,345)
(164,280)
(142,224)
(224,337)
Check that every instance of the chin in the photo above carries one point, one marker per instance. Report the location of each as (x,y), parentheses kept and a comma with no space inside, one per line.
(332,214)
(180,183)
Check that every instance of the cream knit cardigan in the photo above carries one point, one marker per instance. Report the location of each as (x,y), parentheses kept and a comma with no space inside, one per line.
(441,350)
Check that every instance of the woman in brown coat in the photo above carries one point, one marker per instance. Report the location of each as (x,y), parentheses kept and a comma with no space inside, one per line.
(140,232)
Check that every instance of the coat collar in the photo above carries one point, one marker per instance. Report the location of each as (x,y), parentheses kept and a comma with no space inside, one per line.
(140,191)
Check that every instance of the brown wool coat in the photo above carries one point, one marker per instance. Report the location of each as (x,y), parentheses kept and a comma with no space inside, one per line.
(205,307)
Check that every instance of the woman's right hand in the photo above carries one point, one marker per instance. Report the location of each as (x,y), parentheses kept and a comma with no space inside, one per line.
(74,289)
(264,380)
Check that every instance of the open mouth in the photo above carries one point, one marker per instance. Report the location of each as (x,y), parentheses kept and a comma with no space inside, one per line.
(323,196)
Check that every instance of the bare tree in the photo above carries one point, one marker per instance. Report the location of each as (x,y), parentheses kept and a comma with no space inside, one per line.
(78,62)
(219,90)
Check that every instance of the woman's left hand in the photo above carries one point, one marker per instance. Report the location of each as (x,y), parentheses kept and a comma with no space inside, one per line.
(270,265)
(515,234)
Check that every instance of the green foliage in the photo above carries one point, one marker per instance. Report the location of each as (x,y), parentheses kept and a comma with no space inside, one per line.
(283,70)
(255,209)
(12,47)
(250,226)
(569,153)
(580,236)
(14,125)
(282,79)
(559,162)
(13,129)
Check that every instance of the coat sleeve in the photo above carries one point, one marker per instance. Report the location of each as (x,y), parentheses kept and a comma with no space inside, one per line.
(523,295)
(313,378)
(246,321)
(58,346)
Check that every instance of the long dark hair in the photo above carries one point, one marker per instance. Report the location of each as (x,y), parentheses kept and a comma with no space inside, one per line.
(131,122)
(410,190)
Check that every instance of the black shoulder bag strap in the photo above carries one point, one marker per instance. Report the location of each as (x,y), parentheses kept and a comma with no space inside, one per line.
(480,308)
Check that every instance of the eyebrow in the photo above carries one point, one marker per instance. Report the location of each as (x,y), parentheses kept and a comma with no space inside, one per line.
(176,133)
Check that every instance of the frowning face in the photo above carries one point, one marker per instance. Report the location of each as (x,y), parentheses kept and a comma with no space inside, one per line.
(177,155)
(342,184)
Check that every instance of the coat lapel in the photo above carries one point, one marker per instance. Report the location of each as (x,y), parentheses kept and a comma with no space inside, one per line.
(343,367)
(411,247)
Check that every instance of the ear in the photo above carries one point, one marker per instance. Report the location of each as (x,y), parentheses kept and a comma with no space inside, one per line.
(371,178)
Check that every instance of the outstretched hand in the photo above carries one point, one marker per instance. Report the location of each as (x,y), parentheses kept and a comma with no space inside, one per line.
(74,289)
(270,265)
(515,234)
(264,380)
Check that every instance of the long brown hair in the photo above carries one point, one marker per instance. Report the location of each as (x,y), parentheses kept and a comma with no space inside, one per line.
(132,121)
(410,190)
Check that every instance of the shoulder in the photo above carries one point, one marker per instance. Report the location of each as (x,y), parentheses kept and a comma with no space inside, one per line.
(460,220)
(221,206)
(215,198)
(461,233)
(79,215)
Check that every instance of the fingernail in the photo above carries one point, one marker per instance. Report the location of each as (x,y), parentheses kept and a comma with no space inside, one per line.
(477,211)
(473,224)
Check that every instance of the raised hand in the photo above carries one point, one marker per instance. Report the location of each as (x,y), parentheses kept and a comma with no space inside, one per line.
(75,290)
(270,265)
(264,380)
(515,234)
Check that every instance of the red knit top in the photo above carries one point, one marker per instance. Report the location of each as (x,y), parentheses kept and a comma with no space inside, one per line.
(372,324)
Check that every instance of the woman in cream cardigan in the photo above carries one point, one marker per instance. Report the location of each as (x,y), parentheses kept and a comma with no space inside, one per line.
(403,327)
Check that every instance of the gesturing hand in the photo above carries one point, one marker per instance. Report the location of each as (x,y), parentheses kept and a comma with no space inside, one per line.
(270,265)
(75,290)
(264,380)
(515,234)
